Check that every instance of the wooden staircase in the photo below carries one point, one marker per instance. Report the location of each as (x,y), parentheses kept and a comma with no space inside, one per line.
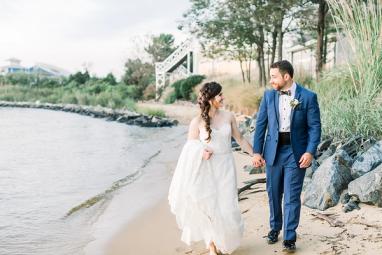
(182,61)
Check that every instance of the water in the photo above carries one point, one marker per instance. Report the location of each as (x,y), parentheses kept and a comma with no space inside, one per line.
(54,165)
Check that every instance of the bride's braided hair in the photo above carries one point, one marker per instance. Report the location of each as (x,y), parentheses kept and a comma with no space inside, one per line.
(208,91)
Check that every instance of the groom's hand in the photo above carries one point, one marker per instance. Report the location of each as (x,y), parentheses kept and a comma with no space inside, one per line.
(306,160)
(258,160)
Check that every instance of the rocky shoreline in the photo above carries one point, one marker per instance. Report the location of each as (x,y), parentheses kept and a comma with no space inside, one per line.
(347,171)
(122,116)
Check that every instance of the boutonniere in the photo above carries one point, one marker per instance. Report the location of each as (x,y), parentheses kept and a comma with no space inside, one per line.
(294,103)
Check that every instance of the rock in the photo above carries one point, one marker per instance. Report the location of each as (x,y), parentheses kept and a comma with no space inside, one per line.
(326,154)
(367,161)
(310,170)
(351,204)
(328,181)
(307,181)
(252,125)
(345,197)
(368,188)
(324,145)
(234,144)
(353,146)
(142,121)
(244,126)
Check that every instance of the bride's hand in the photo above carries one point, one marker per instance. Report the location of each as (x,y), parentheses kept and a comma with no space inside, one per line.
(207,153)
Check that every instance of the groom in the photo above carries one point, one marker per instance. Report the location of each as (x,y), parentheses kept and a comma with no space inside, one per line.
(288,131)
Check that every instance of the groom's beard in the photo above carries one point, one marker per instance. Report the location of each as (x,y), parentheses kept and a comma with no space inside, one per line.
(278,86)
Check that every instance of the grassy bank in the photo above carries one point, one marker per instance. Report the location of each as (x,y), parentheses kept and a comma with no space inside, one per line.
(115,97)
(107,96)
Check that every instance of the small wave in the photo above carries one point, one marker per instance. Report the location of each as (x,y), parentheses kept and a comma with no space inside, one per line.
(115,186)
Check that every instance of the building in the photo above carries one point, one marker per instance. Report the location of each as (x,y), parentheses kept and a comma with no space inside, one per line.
(14,66)
(42,69)
(303,57)
(48,70)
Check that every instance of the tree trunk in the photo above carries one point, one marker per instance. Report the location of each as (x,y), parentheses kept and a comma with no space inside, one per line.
(268,63)
(274,44)
(250,62)
(264,73)
(320,37)
(325,50)
(258,59)
(280,35)
(262,40)
(326,37)
(241,69)
(249,70)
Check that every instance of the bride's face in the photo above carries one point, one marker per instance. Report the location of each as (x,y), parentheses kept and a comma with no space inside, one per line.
(218,101)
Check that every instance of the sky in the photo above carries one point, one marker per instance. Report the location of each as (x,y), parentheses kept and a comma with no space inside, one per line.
(76,34)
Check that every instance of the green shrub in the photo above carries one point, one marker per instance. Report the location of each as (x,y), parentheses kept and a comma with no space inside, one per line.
(171,98)
(152,112)
(183,88)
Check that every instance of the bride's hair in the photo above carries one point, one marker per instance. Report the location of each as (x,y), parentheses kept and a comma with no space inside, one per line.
(208,91)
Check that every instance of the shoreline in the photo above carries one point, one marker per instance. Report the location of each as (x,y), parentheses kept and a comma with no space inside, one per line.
(121,116)
(155,231)
(182,111)
(135,199)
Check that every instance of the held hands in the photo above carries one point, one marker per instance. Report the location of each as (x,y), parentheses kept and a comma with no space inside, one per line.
(258,160)
(207,153)
(306,160)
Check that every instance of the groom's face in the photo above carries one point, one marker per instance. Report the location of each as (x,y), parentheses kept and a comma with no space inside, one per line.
(277,79)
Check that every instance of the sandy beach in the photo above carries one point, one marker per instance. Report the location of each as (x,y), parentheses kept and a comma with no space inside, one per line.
(155,231)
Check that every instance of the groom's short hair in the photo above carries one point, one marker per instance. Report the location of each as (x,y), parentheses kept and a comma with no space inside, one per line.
(284,66)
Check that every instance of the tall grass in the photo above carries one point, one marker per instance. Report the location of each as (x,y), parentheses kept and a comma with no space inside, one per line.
(348,95)
(242,98)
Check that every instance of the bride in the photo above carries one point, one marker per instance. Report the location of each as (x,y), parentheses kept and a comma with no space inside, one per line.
(203,192)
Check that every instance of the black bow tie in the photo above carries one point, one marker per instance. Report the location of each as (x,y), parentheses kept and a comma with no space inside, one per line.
(285,92)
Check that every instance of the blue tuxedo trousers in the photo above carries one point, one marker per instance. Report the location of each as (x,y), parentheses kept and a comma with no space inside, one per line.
(285,177)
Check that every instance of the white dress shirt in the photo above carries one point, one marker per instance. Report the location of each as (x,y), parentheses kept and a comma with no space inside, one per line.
(285,109)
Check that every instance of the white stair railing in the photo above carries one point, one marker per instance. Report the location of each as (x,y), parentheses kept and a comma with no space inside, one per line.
(174,62)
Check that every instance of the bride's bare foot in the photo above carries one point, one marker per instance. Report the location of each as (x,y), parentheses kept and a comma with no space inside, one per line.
(213,250)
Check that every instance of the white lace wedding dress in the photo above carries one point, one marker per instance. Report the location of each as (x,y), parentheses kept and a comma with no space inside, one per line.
(203,193)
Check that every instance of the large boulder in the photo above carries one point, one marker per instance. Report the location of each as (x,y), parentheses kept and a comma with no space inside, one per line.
(368,188)
(367,161)
(317,162)
(328,181)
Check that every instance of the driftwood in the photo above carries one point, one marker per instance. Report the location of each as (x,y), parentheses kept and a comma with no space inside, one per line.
(251,183)
(257,191)
(327,217)
(359,222)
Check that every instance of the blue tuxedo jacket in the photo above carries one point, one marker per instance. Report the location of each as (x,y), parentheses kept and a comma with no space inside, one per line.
(305,125)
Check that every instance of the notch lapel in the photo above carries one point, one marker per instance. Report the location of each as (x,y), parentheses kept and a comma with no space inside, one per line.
(276,102)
